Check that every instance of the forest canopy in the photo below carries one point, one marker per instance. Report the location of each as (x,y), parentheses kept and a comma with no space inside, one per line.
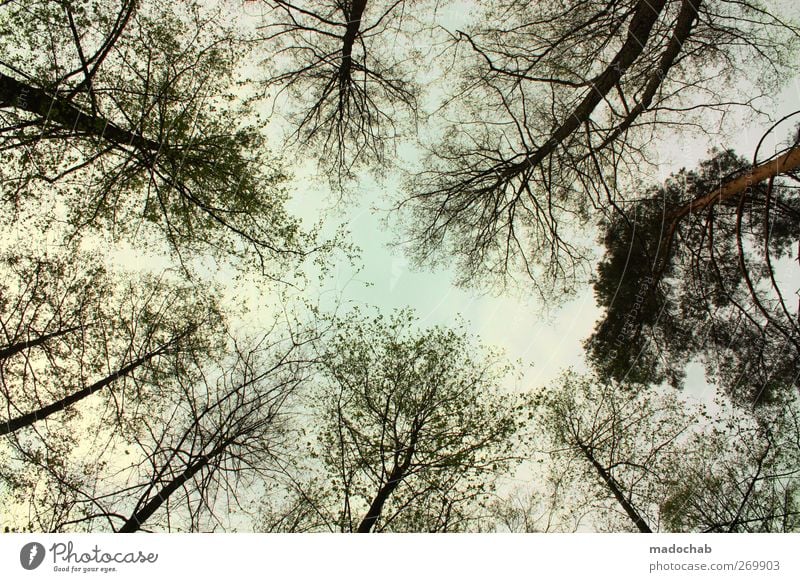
(238,236)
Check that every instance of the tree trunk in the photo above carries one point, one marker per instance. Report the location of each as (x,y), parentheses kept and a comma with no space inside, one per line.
(787,162)
(349,38)
(681,32)
(376,507)
(51,108)
(11,349)
(397,475)
(644,17)
(611,483)
(42,413)
(135,522)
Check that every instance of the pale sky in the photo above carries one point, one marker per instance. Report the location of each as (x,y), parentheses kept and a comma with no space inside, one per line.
(545,342)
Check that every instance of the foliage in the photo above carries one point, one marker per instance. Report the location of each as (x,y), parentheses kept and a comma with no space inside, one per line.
(84,351)
(701,286)
(136,401)
(740,475)
(625,459)
(124,115)
(412,427)
(550,115)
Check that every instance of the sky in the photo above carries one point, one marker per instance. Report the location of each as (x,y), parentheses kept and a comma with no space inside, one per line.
(542,340)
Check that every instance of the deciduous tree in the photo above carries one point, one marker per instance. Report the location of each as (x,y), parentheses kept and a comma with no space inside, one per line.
(413,430)
(83,347)
(553,115)
(124,115)
(344,62)
(649,461)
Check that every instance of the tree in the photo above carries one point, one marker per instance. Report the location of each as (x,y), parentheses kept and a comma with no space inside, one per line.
(71,331)
(538,508)
(553,116)
(126,114)
(331,58)
(743,475)
(616,445)
(220,439)
(412,431)
(82,347)
(696,269)
(645,460)
(220,428)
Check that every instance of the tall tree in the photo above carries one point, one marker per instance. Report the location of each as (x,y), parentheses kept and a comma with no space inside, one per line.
(222,438)
(413,431)
(741,475)
(699,268)
(647,461)
(341,62)
(220,430)
(85,346)
(123,114)
(554,113)
(72,330)
(616,445)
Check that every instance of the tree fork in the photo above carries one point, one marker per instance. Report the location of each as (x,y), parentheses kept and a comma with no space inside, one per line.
(135,522)
(641,25)
(397,475)
(683,28)
(376,507)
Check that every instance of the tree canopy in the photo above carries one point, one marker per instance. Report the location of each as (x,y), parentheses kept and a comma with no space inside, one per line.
(171,360)
(412,429)
(556,107)
(124,115)
(650,462)
(351,93)
(690,276)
